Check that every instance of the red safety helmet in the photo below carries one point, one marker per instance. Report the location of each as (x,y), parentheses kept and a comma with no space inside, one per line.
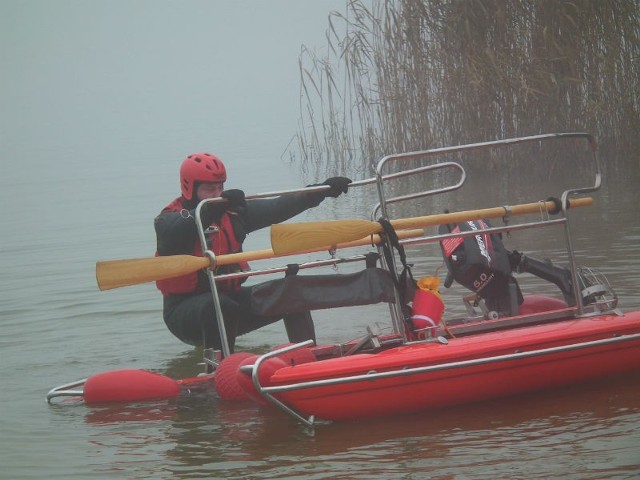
(200,167)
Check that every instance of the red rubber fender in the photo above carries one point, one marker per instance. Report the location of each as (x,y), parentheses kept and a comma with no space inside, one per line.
(225,377)
(129,385)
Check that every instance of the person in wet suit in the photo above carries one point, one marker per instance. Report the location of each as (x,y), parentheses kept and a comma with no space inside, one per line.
(188,308)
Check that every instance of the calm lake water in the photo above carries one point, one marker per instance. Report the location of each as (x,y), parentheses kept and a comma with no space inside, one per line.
(100,102)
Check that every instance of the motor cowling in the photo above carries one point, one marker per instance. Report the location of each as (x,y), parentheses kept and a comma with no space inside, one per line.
(480,263)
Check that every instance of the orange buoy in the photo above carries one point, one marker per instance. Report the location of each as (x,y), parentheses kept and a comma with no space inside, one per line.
(129,385)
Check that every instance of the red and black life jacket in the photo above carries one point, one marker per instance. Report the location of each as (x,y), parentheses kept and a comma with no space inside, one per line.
(221,240)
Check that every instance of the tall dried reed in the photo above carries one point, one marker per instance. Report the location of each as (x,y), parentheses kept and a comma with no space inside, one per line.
(412,74)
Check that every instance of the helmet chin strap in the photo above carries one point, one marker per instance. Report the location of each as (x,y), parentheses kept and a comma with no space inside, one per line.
(190,204)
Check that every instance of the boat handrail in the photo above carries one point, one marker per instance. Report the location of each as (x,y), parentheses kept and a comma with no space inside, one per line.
(382,163)
(423,193)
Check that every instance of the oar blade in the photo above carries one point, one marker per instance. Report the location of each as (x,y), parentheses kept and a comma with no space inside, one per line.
(122,273)
(299,237)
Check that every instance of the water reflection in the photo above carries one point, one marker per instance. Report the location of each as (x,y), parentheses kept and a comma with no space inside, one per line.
(203,436)
(200,434)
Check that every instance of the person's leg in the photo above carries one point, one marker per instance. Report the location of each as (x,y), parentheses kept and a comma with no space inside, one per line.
(193,319)
(299,326)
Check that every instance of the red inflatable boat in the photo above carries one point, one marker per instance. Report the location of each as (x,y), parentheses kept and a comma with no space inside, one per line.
(506,343)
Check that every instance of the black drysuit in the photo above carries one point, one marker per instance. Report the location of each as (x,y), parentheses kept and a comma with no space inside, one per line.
(191,316)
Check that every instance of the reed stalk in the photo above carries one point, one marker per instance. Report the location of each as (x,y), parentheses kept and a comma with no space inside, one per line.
(405,75)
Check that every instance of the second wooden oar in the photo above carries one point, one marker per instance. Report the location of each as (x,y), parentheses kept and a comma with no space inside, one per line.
(292,237)
(121,273)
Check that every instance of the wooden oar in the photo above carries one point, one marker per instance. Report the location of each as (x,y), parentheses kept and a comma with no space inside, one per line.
(122,273)
(291,237)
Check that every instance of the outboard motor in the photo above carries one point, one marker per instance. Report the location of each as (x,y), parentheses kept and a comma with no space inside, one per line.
(481,263)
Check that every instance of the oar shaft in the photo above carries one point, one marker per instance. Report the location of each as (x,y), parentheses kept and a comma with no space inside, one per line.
(494,212)
(254,255)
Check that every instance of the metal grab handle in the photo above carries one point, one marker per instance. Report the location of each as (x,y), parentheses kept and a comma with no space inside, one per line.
(63,390)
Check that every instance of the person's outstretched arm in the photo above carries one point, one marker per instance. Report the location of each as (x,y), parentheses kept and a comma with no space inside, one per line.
(261,213)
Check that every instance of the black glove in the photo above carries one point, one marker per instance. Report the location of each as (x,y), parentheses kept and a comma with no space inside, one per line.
(338,186)
(235,198)
(211,211)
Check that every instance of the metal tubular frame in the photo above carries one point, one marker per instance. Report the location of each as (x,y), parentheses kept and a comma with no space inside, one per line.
(382,206)
(359,183)
(380,179)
